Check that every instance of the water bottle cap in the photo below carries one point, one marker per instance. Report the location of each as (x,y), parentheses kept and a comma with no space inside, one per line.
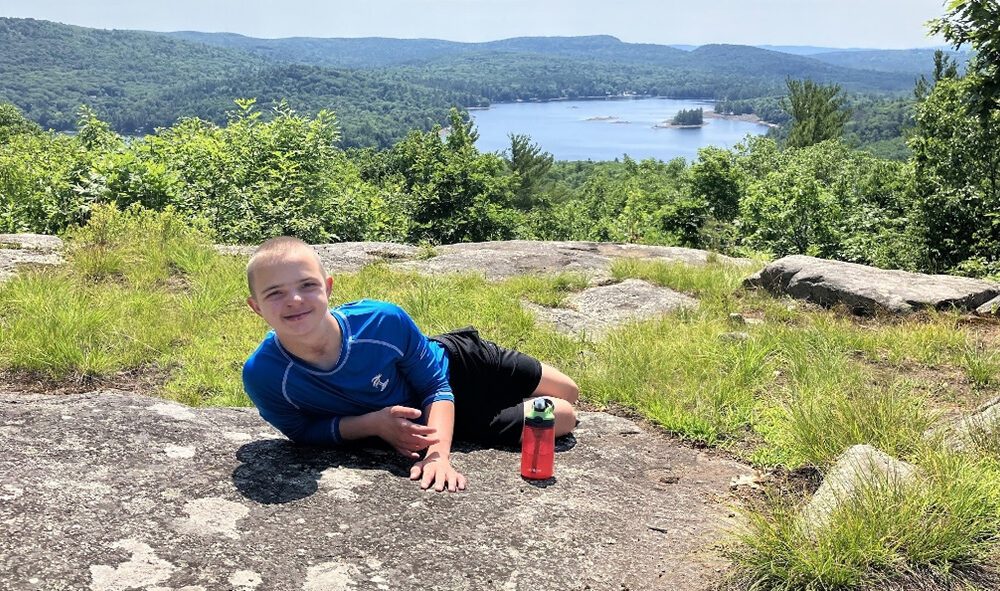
(542,413)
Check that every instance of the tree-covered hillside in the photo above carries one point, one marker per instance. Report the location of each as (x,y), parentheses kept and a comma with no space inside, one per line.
(49,69)
(918,62)
(366,52)
(716,63)
(379,88)
(139,81)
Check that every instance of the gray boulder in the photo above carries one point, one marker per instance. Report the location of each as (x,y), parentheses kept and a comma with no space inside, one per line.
(860,466)
(990,308)
(976,428)
(113,491)
(596,310)
(867,289)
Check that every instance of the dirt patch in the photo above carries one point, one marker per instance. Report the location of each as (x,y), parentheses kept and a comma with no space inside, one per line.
(946,388)
(146,380)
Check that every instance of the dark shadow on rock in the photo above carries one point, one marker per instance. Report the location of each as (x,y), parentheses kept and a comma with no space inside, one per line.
(541,483)
(275,471)
(565,443)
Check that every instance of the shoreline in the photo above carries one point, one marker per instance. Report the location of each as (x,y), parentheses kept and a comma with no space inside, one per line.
(666,125)
(746,118)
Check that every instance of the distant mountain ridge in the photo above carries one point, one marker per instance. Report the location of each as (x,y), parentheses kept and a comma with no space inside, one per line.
(368,52)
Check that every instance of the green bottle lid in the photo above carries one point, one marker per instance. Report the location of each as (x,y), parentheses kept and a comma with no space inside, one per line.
(541,413)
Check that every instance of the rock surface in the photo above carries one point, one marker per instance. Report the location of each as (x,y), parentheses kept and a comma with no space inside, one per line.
(346,257)
(27,249)
(596,310)
(984,423)
(500,259)
(112,491)
(990,308)
(859,466)
(868,289)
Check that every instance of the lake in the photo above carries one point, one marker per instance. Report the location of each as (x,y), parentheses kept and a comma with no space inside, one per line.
(607,129)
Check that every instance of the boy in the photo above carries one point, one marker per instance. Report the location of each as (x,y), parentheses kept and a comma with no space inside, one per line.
(364,369)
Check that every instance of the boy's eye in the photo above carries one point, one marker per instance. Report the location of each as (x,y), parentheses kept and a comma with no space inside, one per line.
(270,296)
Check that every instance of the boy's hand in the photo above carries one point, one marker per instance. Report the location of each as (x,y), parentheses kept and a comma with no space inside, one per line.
(437,470)
(405,436)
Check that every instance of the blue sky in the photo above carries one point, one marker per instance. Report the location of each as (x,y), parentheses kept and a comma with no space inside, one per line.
(834,23)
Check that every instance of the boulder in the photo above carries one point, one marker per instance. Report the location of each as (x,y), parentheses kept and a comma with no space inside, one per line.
(859,466)
(866,290)
(111,490)
(972,429)
(596,310)
(27,249)
(990,308)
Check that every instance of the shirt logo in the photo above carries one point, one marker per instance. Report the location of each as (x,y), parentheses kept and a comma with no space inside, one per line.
(378,382)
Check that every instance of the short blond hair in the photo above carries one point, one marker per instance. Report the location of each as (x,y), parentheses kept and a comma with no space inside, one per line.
(275,248)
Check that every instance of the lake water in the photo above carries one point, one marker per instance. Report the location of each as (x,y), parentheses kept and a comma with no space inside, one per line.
(607,129)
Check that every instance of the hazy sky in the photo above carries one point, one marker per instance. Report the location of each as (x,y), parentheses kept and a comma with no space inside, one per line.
(834,23)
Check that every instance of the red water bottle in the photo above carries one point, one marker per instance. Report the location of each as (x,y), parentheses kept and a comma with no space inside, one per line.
(538,440)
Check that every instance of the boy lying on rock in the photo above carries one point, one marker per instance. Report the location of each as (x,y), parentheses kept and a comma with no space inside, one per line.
(363,369)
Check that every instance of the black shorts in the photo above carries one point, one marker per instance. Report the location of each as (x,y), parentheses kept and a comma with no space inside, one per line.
(490,384)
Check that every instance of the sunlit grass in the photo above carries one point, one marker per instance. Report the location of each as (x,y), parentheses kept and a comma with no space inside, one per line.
(936,532)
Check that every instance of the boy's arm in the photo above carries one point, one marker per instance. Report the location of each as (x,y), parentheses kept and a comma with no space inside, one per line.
(395,425)
(436,469)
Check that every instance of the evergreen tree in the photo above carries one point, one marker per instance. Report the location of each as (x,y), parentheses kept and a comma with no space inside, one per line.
(817,112)
(530,164)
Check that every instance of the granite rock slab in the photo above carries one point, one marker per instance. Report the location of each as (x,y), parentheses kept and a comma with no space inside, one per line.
(345,257)
(867,290)
(503,259)
(111,490)
(596,310)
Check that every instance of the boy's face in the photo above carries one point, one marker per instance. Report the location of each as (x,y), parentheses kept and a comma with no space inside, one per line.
(290,293)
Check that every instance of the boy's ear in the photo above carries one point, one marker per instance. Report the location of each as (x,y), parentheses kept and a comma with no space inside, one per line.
(329,285)
(253,306)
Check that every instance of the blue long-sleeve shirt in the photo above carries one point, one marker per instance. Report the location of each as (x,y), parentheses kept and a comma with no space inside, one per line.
(384,360)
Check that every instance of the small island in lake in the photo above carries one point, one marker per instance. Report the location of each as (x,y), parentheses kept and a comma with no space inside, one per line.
(686,119)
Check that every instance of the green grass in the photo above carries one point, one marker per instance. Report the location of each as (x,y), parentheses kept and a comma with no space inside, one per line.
(937,533)
(146,292)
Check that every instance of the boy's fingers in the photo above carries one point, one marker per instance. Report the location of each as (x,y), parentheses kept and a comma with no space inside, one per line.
(461,481)
(421,429)
(416,470)
(453,481)
(404,412)
(429,473)
(425,441)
